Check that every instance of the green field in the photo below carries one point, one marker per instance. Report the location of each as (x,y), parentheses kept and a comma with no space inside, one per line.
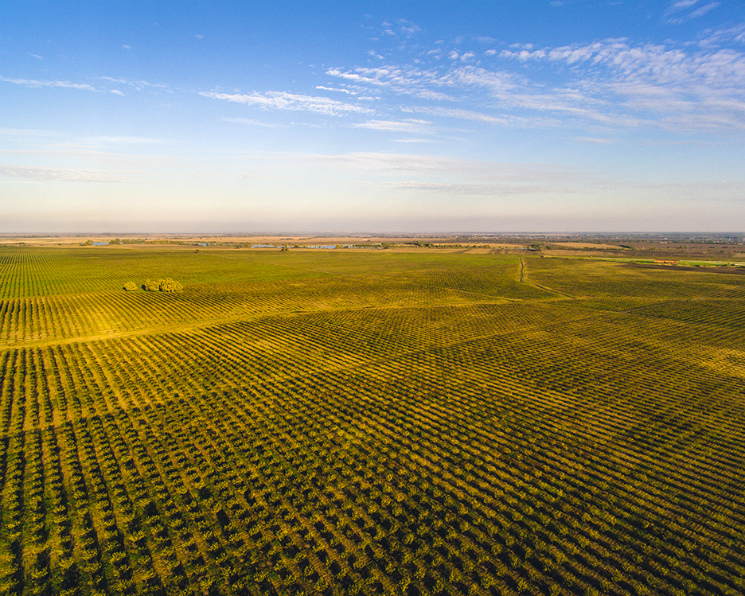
(368,422)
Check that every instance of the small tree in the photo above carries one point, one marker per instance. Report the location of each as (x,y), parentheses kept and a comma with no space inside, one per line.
(169,285)
(130,286)
(151,286)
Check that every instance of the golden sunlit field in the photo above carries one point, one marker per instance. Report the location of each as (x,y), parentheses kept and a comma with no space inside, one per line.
(368,422)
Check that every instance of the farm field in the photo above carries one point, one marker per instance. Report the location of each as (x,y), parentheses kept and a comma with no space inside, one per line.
(368,422)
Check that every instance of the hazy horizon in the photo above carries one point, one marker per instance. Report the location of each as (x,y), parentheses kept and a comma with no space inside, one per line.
(330,234)
(551,116)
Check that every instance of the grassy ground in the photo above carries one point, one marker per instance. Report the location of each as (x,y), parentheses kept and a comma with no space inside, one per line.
(360,422)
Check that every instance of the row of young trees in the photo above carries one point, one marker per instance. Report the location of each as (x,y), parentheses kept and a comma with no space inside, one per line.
(481,449)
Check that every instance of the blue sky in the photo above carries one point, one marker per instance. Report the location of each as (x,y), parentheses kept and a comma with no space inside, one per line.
(531,115)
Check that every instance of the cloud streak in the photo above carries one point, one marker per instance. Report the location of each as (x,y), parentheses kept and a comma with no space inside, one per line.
(474,189)
(44,174)
(105,87)
(683,88)
(433,166)
(279,100)
(139,85)
(35,83)
(680,11)
(409,125)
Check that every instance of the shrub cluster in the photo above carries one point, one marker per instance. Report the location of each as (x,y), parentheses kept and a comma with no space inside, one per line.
(162,285)
(130,286)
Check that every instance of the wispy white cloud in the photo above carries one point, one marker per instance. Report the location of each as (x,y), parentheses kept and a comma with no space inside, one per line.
(104,84)
(400,28)
(123,140)
(409,125)
(339,89)
(596,140)
(498,93)
(436,167)
(47,83)
(26,132)
(62,144)
(433,174)
(618,83)
(414,140)
(252,122)
(475,189)
(376,161)
(405,80)
(501,120)
(680,11)
(139,85)
(279,100)
(723,35)
(44,174)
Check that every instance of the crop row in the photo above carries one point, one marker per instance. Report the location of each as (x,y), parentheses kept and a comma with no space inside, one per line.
(312,460)
(67,316)
(501,281)
(27,273)
(719,313)
(616,280)
(625,367)
(70,315)
(478,448)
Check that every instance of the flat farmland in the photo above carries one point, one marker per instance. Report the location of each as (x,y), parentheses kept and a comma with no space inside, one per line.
(368,422)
